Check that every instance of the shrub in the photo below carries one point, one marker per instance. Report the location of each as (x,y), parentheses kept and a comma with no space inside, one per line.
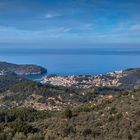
(69,130)
(84,108)
(22,127)
(87,132)
(3,136)
(67,113)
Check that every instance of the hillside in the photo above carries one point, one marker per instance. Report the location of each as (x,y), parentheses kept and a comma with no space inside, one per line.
(6,81)
(46,97)
(108,118)
(9,68)
(19,92)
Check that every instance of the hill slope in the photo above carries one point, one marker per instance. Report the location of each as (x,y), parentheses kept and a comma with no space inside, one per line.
(21,69)
(108,118)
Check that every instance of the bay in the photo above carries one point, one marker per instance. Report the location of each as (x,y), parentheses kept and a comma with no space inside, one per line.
(78,61)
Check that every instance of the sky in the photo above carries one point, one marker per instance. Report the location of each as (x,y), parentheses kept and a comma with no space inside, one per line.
(69,22)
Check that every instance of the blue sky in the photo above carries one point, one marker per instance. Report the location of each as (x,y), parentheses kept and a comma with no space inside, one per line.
(69,22)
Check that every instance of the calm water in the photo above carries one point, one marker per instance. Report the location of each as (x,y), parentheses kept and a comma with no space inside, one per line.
(75,61)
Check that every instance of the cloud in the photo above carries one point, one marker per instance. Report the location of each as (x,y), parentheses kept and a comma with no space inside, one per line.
(135,27)
(59,30)
(81,27)
(88,26)
(127,28)
(123,32)
(52,15)
(11,34)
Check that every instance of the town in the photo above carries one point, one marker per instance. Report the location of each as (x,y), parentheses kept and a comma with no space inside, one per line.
(110,79)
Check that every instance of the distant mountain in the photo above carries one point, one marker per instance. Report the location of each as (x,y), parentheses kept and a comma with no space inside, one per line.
(9,68)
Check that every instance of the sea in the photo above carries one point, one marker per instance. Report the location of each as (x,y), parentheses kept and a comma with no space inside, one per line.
(74,61)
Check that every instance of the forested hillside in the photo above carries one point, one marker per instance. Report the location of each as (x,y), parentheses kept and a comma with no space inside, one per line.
(112,117)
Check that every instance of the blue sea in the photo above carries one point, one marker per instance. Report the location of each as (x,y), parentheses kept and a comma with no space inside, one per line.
(77,61)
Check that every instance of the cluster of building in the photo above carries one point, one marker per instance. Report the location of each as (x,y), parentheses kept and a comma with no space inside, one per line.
(110,79)
(2,73)
(60,81)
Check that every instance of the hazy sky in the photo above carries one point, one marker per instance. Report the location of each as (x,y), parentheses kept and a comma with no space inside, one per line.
(66,22)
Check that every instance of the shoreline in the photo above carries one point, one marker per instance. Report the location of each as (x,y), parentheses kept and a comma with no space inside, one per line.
(46,74)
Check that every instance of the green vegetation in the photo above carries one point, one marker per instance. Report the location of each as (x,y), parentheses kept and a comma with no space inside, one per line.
(107,118)
(8,81)
(21,114)
(10,68)
(67,113)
